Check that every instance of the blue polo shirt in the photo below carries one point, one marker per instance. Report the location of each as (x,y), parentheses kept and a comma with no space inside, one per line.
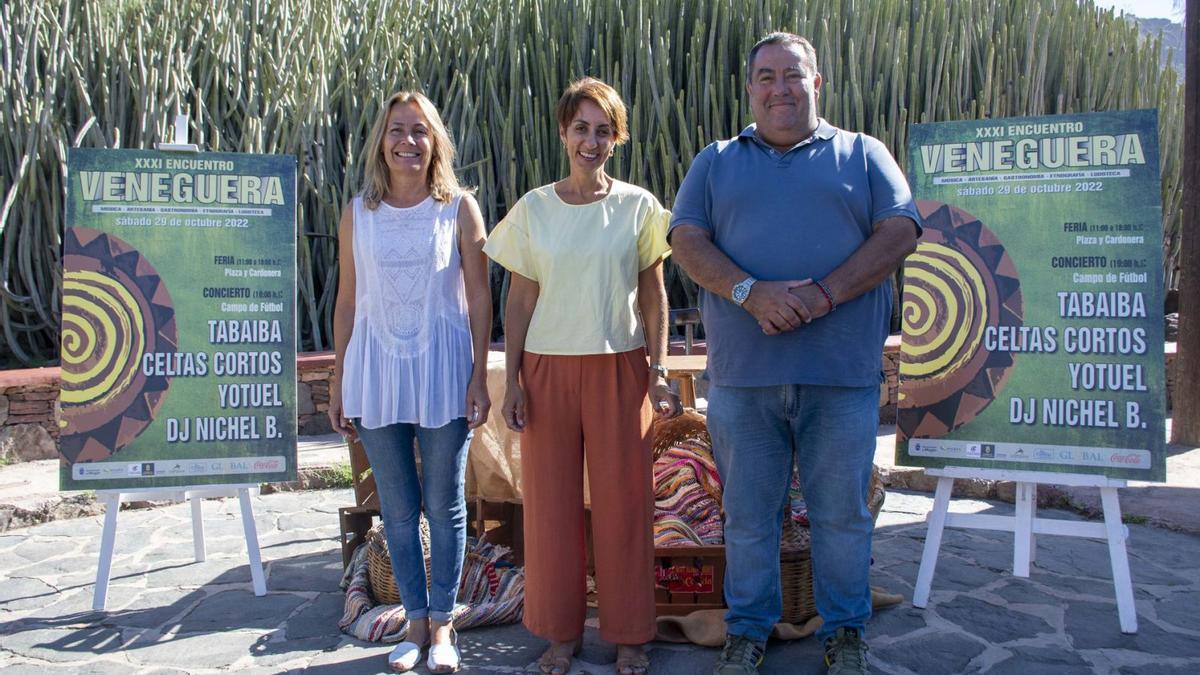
(794,215)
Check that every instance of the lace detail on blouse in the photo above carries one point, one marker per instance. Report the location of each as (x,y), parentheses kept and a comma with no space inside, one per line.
(409,356)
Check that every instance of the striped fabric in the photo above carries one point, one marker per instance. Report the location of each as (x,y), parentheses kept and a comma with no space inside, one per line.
(492,593)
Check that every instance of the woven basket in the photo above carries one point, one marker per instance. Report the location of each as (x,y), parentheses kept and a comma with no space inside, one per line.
(379,564)
(690,426)
(795,559)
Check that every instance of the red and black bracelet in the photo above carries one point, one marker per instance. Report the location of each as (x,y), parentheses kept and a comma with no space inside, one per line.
(827,294)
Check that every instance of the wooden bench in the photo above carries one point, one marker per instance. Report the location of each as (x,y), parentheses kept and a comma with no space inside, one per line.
(683,369)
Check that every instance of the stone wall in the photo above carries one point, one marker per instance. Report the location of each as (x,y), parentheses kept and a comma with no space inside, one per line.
(890,387)
(28,414)
(29,401)
(313,372)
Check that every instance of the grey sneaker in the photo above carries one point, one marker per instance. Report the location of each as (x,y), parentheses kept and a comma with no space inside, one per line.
(846,653)
(741,656)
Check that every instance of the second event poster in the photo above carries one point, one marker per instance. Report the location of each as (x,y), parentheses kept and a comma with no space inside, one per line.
(1033,306)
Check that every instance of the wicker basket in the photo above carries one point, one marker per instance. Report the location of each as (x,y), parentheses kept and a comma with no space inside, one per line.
(795,560)
(795,574)
(379,565)
(690,426)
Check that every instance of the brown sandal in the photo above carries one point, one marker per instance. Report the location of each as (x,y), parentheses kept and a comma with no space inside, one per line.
(553,662)
(636,664)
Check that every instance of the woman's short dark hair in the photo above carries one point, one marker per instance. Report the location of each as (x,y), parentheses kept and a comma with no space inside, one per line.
(605,97)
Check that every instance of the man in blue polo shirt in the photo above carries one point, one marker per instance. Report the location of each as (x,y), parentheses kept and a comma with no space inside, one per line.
(793,230)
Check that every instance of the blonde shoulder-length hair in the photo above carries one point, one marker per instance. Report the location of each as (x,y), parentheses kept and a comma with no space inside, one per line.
(443,183)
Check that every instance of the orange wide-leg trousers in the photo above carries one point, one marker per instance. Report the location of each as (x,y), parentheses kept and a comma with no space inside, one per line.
(595,404)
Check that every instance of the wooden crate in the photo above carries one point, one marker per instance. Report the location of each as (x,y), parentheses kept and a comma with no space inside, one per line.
(499,523)
(688,578)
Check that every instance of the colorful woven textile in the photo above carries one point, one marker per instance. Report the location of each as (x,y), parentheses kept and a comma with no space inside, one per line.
(492,592)
(799,508)
(687,496)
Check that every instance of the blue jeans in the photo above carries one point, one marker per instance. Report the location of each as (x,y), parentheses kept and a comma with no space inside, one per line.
(401,492)
(759,434)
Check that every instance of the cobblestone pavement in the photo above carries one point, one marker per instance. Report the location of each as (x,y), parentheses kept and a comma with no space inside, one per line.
(169,614)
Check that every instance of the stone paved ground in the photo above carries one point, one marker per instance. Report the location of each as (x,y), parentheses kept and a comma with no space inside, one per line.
(168,614)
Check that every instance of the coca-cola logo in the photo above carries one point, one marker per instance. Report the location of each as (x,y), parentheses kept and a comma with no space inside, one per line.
(1122,458)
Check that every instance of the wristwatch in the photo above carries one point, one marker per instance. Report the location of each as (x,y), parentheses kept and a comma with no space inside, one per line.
(741,290)
(659,368)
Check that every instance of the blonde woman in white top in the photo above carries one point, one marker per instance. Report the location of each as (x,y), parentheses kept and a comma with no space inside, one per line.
(411,331)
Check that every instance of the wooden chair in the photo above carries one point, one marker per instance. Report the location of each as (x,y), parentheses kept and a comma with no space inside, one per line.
(357,520)
(497,522)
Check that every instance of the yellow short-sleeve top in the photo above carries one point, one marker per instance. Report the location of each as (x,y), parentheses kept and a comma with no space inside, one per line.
(585,259)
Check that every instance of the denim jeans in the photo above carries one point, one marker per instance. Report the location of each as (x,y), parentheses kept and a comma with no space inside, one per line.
(401,493)
(759,434)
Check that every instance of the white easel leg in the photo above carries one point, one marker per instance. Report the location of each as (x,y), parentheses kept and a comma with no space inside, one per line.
(256,569)
(197,529)
(1122,582)
(1033,499)
(1023,529)
(112,504)
(933,541)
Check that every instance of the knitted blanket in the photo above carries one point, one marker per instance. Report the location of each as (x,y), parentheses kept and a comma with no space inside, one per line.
(687,496)
(492,592)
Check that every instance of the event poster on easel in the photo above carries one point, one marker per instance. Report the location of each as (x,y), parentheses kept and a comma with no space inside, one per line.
(178,320)
(1033,306)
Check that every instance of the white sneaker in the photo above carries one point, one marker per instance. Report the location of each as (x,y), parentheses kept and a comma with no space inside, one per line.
(444,658)
(405,657)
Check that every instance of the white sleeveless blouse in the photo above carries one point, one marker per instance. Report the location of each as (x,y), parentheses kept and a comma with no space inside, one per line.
(409,356)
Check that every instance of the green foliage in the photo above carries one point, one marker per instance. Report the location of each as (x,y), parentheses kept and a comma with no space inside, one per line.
(306,78)
(336,476)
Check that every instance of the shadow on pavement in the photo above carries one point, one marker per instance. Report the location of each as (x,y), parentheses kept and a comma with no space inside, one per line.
(174,614)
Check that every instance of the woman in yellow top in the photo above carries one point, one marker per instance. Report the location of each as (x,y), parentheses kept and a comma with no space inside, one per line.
(586,260)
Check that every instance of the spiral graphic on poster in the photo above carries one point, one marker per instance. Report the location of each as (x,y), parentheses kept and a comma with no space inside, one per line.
(945,310)
(959,283)
(103,338)
(116,311)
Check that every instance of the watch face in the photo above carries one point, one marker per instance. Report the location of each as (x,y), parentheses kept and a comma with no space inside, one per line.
(739,294)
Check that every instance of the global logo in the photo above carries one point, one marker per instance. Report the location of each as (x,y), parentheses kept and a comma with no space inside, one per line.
(987,451)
